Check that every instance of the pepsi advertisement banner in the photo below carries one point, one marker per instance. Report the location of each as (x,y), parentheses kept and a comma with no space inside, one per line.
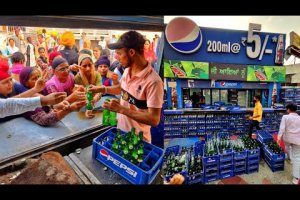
(185,69)
(266,73)
(185,40)
(235,72)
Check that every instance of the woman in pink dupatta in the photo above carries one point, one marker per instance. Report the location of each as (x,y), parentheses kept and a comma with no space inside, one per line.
(63,81)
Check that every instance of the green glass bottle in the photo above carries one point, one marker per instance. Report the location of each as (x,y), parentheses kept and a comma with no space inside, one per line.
(141,136)
(135,139)
(118,134)
(130,145)
(106,115)
(140,150)
(89,97)
(134,154)
(133,130)
(125,150)
(112,118)
(115,146)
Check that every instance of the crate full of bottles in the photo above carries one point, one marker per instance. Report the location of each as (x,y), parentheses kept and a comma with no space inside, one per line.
(274,156)
(226,169)
(211,161)
(128,155)
(239,157)
(253,154)
(195,164)
(175,162)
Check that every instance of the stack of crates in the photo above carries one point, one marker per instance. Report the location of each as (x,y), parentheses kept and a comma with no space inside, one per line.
(253,158)
(274,161)
(239,157)
(211,167)
(198,177)
(226,169)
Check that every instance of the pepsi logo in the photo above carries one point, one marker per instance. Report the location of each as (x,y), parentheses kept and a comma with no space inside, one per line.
(184,35)
(104,153)
(223,83)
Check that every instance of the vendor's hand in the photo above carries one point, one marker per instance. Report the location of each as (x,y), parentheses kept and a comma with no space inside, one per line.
(89,114)
(41,82)
(114,105)
(96,98)
(113,76)
(177,179)
(251,118)
(278,141)
(97,89)
(65,105)
(75,106)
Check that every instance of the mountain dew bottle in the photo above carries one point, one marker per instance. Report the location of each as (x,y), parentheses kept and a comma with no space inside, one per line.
(106,115)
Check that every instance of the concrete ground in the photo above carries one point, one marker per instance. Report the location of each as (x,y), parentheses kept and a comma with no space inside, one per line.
(263,176)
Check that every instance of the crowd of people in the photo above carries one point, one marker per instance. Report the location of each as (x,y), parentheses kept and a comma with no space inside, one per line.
(57,66)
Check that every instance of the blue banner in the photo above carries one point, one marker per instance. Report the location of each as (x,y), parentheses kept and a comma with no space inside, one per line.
(230,46)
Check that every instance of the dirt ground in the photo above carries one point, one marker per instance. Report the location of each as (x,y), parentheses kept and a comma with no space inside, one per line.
(50,168)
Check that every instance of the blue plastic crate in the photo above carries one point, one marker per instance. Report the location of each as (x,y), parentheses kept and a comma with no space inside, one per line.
(251,171)
(208,179)
(209,168)
(225,164)
(240,162)
(211,160)
(239,168)
(173,149)
(226,174)
(226,157)
(144,173)
(253,153)
(275,167)
(263,136)
(195,178)
(240,155)
(238,173)
(272,163)
(253,160)
(272,156)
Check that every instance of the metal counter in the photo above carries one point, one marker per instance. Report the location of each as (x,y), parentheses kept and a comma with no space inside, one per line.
(22,138)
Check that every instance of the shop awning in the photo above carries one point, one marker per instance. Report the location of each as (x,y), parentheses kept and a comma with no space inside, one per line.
(139,22)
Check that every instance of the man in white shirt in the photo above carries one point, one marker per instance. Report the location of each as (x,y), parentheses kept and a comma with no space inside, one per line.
(290,132)
(15,106)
